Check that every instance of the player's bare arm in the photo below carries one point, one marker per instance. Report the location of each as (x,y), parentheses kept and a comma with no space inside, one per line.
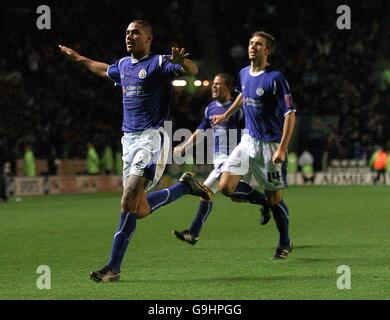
(98,68)
(180,149)
(288,128)
(178,56)
(224,117)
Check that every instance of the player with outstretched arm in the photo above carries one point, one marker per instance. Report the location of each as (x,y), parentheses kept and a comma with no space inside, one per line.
(145,79)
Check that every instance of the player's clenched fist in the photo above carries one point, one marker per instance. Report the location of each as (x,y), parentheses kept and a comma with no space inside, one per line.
(218,119)
(179,151)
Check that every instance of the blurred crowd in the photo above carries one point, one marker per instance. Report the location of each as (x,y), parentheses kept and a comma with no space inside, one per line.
(339,78)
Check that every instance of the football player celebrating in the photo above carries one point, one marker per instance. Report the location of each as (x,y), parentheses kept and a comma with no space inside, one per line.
(226,135)
(269,124)
(146,85)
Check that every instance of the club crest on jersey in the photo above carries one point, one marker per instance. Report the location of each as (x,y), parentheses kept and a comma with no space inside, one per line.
(142,74)
(259,91)
(122,75)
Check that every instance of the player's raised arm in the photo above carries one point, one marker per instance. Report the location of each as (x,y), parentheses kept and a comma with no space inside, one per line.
(224,117)
(179,56)
(98,68)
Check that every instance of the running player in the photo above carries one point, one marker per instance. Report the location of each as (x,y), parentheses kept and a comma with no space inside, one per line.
(226,136)
(146,85)
(269,123)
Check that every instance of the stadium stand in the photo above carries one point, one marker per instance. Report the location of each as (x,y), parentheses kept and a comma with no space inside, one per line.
(337,78)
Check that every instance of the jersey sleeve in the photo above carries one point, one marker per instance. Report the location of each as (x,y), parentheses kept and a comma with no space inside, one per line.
(205,124)
(113,73)
(169,69)
(283,95)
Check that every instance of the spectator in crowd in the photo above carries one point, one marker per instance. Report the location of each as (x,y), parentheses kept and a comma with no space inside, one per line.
(378,163)
(306,161)
(3,185)
(53,162)
(93,160)
(292,162)
(29,165)
(107,163)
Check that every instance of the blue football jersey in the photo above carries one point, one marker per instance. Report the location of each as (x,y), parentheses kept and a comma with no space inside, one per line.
(226,134)
(147,90)
(267,99)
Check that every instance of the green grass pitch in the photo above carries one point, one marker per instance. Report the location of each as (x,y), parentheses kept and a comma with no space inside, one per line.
(72,234)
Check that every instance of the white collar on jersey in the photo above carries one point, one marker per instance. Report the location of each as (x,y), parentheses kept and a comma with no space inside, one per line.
(219,104)
(255,74)
(134,60)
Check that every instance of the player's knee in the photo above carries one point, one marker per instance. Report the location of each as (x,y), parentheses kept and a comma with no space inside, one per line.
(125,207)
(128,197)
(227,189)
(228,184)
(272,202)
(273,198)
(143,210)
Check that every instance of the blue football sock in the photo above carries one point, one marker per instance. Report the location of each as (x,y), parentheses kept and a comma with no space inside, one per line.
(245,192)
(161,198)
(280,213)
(204,210)
(122,237)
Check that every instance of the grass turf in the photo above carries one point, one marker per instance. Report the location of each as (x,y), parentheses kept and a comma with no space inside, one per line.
(72,234)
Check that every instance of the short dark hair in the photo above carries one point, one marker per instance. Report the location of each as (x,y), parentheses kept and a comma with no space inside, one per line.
(145,25)
(270,41)
(229,80)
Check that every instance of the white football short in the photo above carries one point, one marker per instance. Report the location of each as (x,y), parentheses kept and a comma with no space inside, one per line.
(145,154)
(212,180)
(256,156)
